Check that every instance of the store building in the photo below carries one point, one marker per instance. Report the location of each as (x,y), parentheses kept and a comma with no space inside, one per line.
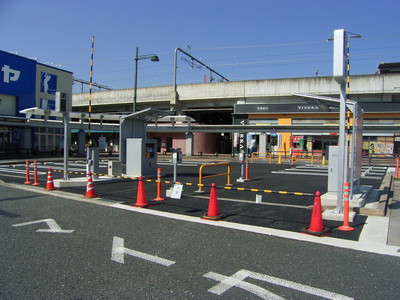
(25,83)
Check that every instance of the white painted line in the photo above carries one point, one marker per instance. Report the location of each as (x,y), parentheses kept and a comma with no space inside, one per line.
(53,226)
(236,280)
(118,252)
(16,171)
(300,173)
(251,202)
(341,243)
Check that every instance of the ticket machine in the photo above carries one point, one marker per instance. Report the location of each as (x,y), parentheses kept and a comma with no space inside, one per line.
(141,157)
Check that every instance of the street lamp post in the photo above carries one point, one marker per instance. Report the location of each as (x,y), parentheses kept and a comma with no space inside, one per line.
(152,57)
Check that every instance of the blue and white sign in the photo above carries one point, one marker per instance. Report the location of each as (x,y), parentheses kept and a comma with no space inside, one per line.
(17,78)
(48,83)
(47,104)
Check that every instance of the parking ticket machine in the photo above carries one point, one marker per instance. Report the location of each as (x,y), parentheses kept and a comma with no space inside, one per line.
(141,158)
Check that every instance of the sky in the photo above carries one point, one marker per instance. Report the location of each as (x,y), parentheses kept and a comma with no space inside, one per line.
(240,39)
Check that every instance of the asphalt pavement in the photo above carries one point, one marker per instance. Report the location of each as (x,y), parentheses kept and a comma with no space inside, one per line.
(284,199)
(55,245)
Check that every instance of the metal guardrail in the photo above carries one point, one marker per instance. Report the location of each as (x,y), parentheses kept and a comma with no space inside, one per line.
(228,173)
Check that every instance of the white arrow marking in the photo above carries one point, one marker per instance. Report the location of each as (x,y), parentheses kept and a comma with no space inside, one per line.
(119,251)
(53,226)
(237,280)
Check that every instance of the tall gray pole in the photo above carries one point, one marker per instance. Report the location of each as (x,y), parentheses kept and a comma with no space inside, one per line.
(340,75)
(67,137)
(342,170)
(135,81)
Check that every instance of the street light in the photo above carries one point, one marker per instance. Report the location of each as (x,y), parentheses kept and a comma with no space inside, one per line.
(152,57)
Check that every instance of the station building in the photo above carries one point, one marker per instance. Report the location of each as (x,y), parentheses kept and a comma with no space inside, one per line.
(264,115)
(25,83)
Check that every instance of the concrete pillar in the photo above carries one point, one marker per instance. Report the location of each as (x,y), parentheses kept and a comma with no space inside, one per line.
(81,143)
(189,143)
(285,136)
(262,144)
(26,141)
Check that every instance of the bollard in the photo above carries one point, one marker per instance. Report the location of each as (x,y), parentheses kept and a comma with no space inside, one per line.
(247,171)
(35,175)
(27,180)
(159,198)
(346,195)
(396,174)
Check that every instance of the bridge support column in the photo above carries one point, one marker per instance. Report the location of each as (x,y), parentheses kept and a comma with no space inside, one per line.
(189,143)
(262,144)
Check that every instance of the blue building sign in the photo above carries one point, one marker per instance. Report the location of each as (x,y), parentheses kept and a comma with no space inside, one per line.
(48,83)
(17,78)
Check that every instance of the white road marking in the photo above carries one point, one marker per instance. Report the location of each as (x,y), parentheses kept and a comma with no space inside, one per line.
(17,171)
(334,242)
(236,280)
(118,252)
(53,226)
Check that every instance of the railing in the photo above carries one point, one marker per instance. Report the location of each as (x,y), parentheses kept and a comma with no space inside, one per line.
(201,177)
(261,155)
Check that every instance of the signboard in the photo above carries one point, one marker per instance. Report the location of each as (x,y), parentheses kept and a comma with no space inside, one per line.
(339,56)
(17,78)
(48,83)
(277,108)
(297,138)
(177,191)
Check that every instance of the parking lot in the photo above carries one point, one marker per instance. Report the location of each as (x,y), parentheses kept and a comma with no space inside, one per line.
(286,192)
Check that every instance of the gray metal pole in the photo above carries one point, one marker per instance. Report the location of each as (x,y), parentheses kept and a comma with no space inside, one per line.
(342,170)
(67,138)
(135,81)
(175,67)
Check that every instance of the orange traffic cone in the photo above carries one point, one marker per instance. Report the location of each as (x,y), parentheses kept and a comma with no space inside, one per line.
(90,193)
(50,183)
(316,224)
(141,200)
(27,180)
(213,210)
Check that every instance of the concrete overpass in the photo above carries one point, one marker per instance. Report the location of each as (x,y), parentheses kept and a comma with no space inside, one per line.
(382,88)
(221,106)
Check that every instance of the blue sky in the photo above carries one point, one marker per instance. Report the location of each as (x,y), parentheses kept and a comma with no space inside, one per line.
(242,40)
